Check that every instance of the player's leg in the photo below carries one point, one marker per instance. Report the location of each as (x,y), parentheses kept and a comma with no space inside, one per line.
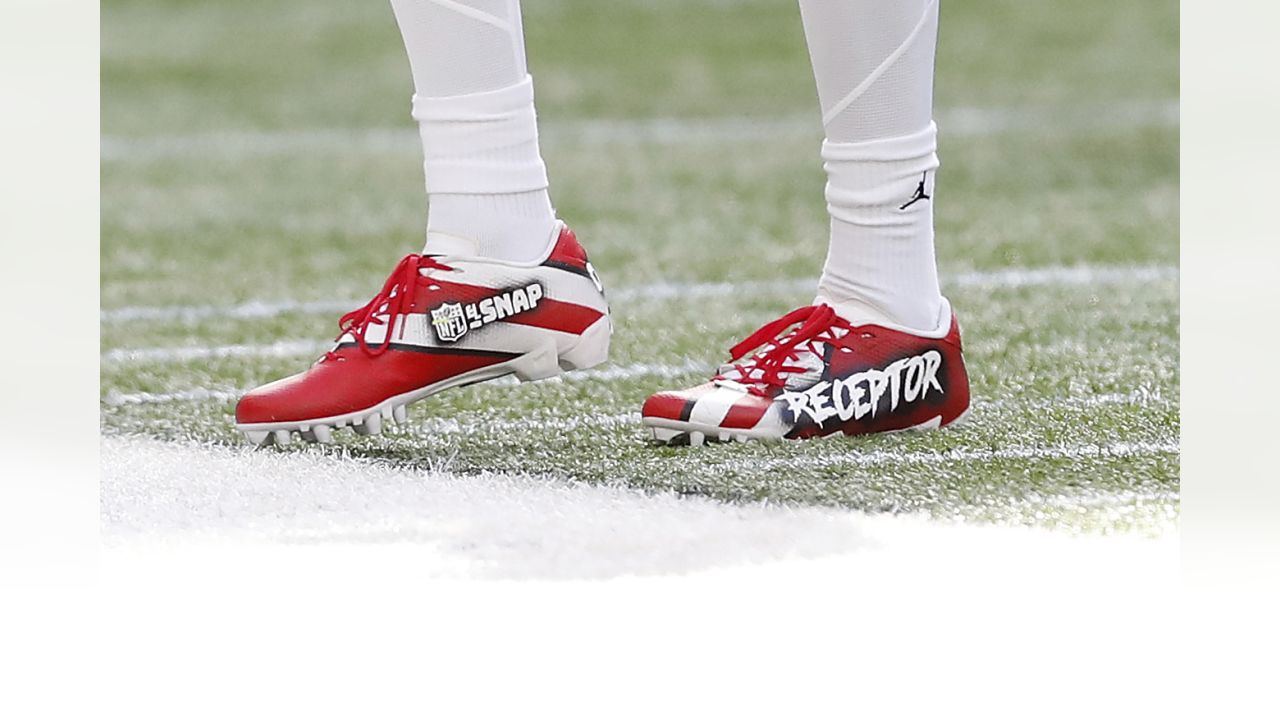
(879,349)
(873,63)
(501,286)
(473,100)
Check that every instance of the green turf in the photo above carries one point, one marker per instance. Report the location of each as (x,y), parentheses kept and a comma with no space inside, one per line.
(263,151)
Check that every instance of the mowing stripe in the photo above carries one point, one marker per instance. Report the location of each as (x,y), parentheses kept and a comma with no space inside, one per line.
(953,122)
(980,279)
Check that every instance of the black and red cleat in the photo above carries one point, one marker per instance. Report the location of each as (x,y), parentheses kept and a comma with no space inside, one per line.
(824,376)
(440,321)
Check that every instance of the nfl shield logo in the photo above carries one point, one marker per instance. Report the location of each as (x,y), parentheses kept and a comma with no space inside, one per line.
(449,322)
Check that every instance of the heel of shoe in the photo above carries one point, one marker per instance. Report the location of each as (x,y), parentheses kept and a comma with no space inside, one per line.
(591,348)
(538,364)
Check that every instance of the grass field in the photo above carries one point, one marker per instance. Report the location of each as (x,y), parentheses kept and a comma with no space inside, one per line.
(261,175)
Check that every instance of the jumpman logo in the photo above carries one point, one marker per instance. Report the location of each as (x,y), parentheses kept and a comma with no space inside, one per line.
(920,193)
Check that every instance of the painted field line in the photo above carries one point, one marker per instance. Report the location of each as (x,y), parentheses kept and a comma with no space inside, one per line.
(284,348)
(313,349)
(1008,278)
(116,399)
(1067,502)
(471,425)
(435,425)
(981,279)
(157,496)
(1059,275)
(953,122)
(615,372)
(1083,451)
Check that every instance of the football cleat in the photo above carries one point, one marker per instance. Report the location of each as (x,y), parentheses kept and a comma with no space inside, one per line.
(824,376)
(440,321)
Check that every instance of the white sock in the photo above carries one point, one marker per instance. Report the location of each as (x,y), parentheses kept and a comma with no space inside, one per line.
(473,101)
(873,63)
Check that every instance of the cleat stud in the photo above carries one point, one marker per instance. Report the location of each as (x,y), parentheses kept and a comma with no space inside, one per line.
(257,437)
(322,434)
(725,437)
(399,413)
(696,439)
(282,437)
(664,435)
(373,424)
(387,414)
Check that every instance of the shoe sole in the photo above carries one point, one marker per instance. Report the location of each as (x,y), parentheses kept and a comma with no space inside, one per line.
(591,349)
(682,433)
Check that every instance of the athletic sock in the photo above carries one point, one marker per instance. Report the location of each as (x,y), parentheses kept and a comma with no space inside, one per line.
(873,63)
(473,101)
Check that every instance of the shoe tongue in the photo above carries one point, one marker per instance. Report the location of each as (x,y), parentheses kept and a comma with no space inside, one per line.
(813,365)
(439,243)
(809,359)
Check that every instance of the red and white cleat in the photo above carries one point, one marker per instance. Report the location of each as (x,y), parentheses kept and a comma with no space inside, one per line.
(823,377)
(440,321)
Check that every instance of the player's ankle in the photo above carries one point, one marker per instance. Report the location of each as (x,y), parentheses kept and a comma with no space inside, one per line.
(920,316)
(515,227)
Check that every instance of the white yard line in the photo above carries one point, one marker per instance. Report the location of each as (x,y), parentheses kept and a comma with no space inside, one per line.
(471,424)
(284,348)
(115,398)
(613,372)
(659,370)
(1010,278)
(957,455)
(857,458)
(244,311)
(1127,497)
(301,348)
(1015,277)
(155,494)
(953,122)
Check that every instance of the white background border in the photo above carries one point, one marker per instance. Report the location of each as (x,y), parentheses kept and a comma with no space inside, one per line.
(317,635)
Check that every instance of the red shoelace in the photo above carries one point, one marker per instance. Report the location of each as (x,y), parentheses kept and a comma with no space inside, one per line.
(397,294)
(816,323)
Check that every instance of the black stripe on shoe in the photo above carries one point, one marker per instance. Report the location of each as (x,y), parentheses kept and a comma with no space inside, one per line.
(687,410)
(568,268)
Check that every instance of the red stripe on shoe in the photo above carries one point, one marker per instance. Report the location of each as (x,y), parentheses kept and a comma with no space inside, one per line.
(675,405)
(556,315)
(668,406)
(746,413)
(568,253)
